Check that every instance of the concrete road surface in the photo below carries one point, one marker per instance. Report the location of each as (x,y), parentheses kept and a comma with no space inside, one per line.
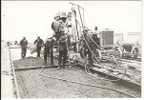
(51,82)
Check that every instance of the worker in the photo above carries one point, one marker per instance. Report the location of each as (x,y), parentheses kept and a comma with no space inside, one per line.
(96,38)
(88,53)
(55,26)
(15,42)
(48,50)
(87,48)
(8,43)
(39,43)
(59,25)
(23,44)
(62,25)
(63,51)
(63,29)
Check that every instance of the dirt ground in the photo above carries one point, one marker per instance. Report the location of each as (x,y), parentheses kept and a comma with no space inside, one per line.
(65,83)
(7,87)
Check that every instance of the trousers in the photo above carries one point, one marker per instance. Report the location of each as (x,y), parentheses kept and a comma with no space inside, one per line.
(62,57)
(38,51)
(23,52)
(48,52)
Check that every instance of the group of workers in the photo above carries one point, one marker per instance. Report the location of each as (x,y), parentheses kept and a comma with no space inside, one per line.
(24,45)
(48,49)
(60,27)
(60,38)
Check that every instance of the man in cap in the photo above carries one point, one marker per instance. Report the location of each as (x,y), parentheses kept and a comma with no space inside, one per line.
(23,44)
(63,51)
(48,50)
(39,43)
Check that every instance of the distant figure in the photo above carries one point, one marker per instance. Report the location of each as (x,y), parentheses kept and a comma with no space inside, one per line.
(48,50)
(16,43)
(23,44)
(8,44)
(96,36)
(39,43)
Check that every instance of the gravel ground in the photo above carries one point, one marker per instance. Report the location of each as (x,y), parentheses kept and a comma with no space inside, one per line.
(7,87)
(50,82)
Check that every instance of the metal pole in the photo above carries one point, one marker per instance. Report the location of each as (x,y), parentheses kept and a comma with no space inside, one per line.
(76,25)
(80,17)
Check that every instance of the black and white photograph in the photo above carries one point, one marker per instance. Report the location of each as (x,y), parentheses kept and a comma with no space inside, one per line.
(71,49)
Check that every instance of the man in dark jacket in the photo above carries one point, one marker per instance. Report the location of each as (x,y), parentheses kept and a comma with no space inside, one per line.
(39,43)
(23,44)
(48,50)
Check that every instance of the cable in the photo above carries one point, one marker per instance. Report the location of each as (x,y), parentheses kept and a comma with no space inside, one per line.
(105,78)
(102,87)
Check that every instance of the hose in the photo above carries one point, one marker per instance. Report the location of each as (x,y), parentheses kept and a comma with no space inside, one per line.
(105,79)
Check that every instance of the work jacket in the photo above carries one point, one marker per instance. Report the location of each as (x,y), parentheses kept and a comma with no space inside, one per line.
(63,45)
(39,42)
(48,45)
(55,26)
(24,43)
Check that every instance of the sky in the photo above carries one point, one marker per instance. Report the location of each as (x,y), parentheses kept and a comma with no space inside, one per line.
(34,18)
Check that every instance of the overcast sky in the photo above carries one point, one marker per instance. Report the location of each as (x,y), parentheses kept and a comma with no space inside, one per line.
(33,18)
